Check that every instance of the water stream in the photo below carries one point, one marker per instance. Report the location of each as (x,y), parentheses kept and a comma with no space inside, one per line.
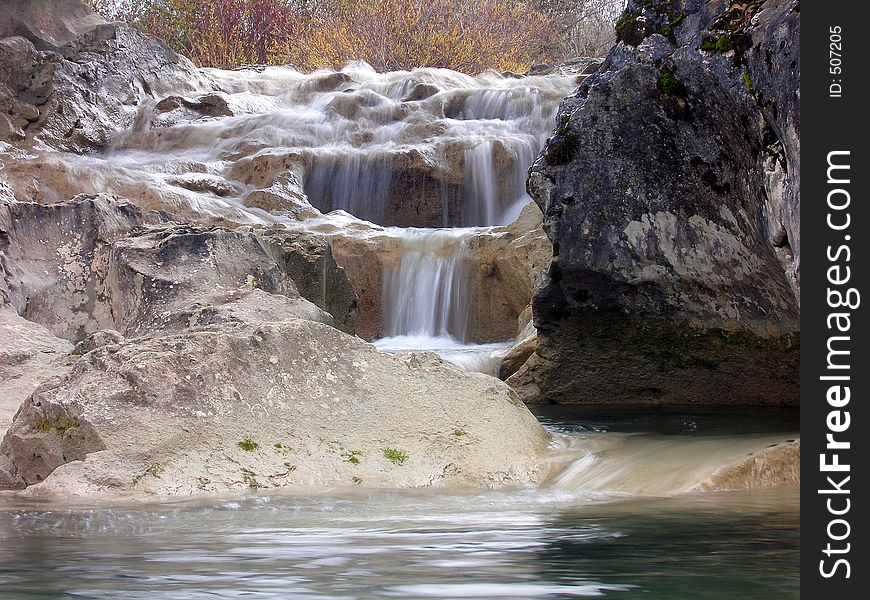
(436,157)
(432,156)
(569,538)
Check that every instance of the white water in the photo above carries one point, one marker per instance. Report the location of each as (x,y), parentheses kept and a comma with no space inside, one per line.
(370,144)
(427,295)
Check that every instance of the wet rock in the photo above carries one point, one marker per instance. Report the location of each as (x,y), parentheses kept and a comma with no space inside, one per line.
(208,105)
(294,404)
(197,182)
(778,465)
(661,202)
(421,91)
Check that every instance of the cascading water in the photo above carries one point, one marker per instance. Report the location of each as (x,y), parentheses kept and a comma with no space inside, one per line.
(433,156)
(427,294)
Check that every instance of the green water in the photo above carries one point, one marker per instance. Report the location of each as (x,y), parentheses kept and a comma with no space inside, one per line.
(521,543)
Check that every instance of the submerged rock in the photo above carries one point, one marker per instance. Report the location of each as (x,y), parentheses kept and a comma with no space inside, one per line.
(289,404)
(670,191)
(774,466)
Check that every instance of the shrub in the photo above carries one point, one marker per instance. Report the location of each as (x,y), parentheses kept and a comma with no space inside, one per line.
(465,35)
(215,33)
(583,27)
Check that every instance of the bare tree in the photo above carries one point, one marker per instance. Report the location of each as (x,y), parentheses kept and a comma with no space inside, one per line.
(584,27)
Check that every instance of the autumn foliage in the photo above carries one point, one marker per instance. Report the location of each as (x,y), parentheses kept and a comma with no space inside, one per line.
(465,35)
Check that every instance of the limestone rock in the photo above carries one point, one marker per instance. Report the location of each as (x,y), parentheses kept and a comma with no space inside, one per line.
(49,24)
(72,79)
(29,355)
(97,263)
(671,276)
(777,465)
(519,353)
(291,404)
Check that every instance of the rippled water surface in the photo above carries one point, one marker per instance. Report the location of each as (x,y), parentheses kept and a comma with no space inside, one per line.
(522,543)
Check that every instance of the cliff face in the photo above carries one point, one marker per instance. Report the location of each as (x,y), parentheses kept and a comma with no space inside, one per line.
(670,191)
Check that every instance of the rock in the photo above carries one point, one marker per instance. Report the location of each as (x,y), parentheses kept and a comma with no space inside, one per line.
(421,91)
(526,342)
(318,277)
(519,353)
(293,404)
(49,24)
(84,78)
(203,183)
(98,339)
(207,105)
(98,263)
(285,195)
(29,355)
(508,262)
(661,199)
(775,466)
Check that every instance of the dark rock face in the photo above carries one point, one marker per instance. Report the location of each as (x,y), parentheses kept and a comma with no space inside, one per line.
(670,191)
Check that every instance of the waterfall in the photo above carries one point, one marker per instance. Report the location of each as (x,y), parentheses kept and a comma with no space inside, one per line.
(428,157)
(427,295)
(353,181)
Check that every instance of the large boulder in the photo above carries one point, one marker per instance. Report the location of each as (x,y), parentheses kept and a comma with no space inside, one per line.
(205,361)
(29,355)
(69,79)
(284,404)
(670,191)
(98,262)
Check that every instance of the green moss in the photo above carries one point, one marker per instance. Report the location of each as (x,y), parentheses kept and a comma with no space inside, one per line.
(625,27)
(747,81)
(46,426)
(395,456)
(721,44)
(43,427)
(352,456)
(726,42)
(155,469)
(670,85)
(248,444)
(668,29)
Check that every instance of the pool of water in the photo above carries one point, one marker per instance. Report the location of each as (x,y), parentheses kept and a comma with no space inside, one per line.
(519,543)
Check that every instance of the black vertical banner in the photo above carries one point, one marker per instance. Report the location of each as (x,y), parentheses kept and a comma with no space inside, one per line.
(835,261)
